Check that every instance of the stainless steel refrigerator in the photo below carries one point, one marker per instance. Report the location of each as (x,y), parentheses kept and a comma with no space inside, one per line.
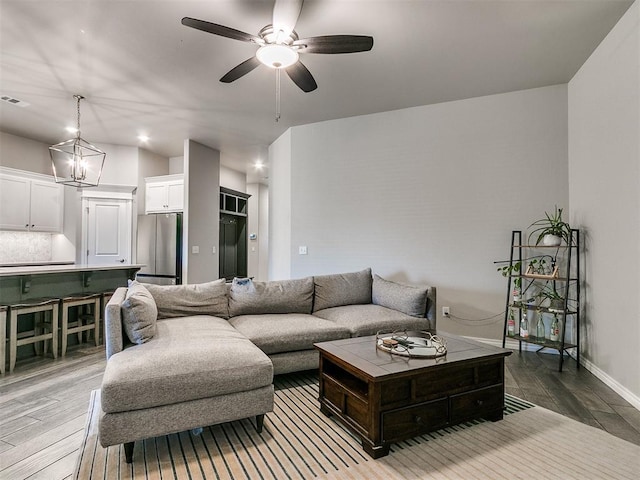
(160,248)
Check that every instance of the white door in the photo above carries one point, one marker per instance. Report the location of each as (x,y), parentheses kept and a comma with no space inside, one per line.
(108,232)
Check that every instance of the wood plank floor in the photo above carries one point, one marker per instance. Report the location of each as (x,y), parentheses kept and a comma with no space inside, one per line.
(43,406)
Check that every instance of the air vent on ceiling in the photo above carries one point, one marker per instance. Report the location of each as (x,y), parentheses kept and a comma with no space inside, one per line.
(13,101)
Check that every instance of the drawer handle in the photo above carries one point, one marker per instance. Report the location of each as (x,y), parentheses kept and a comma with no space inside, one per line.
(479,402)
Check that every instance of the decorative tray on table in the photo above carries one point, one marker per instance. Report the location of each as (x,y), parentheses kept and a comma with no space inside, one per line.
(412,344)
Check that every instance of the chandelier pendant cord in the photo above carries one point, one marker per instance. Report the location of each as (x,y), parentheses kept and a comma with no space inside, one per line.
(277,94)
(78,98)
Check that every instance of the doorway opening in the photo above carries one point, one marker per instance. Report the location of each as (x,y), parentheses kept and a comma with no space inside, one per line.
(233,234)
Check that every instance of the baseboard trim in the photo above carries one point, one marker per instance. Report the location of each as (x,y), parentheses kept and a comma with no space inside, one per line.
(604,377)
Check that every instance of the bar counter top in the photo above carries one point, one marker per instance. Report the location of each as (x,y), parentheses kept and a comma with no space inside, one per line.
(20,270)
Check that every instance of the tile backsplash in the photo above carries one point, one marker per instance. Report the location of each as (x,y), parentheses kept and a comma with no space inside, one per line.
(25,247)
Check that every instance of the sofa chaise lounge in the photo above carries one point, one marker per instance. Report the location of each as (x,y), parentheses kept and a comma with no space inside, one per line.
(186,356)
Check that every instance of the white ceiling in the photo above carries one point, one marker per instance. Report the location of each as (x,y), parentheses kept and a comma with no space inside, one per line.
(141,71)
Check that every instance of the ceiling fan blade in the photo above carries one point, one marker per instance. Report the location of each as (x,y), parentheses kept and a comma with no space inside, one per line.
(285,15)
(240,70)
(335,44)
(219,30)
(302,77)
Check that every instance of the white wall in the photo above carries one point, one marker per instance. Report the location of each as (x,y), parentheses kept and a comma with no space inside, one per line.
(233,179)
(120,165)
(604,178)
(149,165)
(280,208)
(258,223)
(422,195)
(176,165)
(201,212)
(263,233)
(24,154)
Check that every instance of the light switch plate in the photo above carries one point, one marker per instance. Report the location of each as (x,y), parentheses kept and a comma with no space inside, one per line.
(195,249)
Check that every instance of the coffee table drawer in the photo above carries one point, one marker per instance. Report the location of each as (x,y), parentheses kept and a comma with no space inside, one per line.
(410,421)
(349,405)
(476,403)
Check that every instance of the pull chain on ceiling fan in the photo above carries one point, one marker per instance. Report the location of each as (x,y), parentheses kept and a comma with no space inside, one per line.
(280,47)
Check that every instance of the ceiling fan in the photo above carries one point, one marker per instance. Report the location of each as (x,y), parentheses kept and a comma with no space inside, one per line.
(280,46)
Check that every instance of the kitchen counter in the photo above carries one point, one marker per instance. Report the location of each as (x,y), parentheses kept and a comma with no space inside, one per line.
(33,264)
(24,282)
(62,268)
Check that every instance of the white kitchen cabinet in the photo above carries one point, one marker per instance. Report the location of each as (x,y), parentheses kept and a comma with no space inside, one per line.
(164,194)
(29,203)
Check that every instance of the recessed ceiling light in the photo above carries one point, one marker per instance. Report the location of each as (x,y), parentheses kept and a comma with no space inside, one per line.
(143,138)
(71,129)
(258,165)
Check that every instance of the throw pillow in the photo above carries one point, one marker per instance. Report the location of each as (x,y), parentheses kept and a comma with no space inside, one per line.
(342,289)
(283,296)
(208,298)
(139,314)
(408,299)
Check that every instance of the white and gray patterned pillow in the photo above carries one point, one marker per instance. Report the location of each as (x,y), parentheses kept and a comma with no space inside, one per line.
(408,299)
(139,314)
(208,298)
(342,289)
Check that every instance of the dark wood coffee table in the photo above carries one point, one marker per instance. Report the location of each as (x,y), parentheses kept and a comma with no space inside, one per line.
(386,398)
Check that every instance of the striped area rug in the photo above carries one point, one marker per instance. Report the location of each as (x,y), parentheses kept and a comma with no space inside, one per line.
(299,442)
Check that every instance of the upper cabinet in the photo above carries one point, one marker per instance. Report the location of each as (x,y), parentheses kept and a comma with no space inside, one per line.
(164,194)
(30,202)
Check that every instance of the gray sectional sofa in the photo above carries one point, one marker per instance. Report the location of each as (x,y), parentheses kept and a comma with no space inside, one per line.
(181,357)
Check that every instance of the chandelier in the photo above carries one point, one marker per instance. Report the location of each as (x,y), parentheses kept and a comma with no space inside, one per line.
(76,162)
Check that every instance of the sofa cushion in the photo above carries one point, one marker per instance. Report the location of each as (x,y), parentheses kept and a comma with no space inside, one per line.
(284,296)
(363,320)
(408,299)
(189,358)
(139,314)
(287,332)
(342,289)
(196,299)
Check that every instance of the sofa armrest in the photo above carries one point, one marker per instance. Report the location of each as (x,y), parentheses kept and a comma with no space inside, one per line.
(430,313)
(113,332)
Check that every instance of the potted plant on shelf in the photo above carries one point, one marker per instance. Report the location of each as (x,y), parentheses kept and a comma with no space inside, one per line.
(551,230)
(556,301)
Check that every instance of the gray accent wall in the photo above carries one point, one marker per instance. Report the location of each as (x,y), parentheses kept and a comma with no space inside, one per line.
(604,179)
(425,195)
(280,205)
(201,212)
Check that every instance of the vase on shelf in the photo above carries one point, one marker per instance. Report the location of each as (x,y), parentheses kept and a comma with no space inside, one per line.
(511,324)
(554,335)
(524,326)
(540,329)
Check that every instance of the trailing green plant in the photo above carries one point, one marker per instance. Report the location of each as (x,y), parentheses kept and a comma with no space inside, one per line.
(512,270)
(551,225)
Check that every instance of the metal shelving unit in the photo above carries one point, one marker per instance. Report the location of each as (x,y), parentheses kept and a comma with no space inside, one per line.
(565,278)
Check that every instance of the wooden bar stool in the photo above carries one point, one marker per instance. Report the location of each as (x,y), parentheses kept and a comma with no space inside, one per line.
(104,299)
(42,305)
(84,322)
(3,337)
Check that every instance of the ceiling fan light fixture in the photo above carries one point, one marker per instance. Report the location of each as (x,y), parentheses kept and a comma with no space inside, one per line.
(277,56)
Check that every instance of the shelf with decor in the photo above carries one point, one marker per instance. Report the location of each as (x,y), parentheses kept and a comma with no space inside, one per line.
(543,294)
